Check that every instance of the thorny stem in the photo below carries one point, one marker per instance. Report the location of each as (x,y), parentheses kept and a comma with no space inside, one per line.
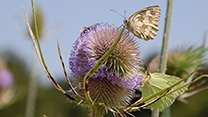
(164,53)
(97,110)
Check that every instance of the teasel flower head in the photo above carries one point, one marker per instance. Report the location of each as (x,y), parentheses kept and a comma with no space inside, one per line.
(114,83)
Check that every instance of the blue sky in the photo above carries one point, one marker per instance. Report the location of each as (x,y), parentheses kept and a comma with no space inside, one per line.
(65,19)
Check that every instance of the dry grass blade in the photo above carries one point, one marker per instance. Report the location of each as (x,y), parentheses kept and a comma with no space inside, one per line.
(37,49)
(70,85)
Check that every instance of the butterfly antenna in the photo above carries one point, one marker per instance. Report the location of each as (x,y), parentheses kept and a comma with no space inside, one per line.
(125,14)
(118,13)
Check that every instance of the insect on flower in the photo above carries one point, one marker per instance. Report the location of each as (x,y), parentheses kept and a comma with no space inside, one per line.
(84,30)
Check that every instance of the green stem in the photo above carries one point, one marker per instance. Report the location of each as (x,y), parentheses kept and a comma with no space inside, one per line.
(35,21)
(155,113)
(188,84)
(97,110)
(35,39)
(164,54)
(32,91)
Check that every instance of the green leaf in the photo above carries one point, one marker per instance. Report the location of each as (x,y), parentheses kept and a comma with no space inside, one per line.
(158,82)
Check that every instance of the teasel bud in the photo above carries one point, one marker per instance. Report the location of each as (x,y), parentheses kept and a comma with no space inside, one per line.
(114,83)
(182,61)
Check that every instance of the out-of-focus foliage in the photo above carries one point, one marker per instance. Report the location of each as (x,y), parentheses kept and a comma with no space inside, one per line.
(196,107)
(49,101)
(20,77)
(182,61)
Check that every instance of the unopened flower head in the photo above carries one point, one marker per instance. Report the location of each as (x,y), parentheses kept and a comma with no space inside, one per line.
(182,60)
(115,80)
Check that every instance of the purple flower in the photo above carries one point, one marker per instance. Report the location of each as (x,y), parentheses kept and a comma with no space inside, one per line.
(120,73)
(6,78)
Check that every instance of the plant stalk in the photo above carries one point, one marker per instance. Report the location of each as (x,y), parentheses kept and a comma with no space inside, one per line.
(32,91)
(97,110)
(164,53)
